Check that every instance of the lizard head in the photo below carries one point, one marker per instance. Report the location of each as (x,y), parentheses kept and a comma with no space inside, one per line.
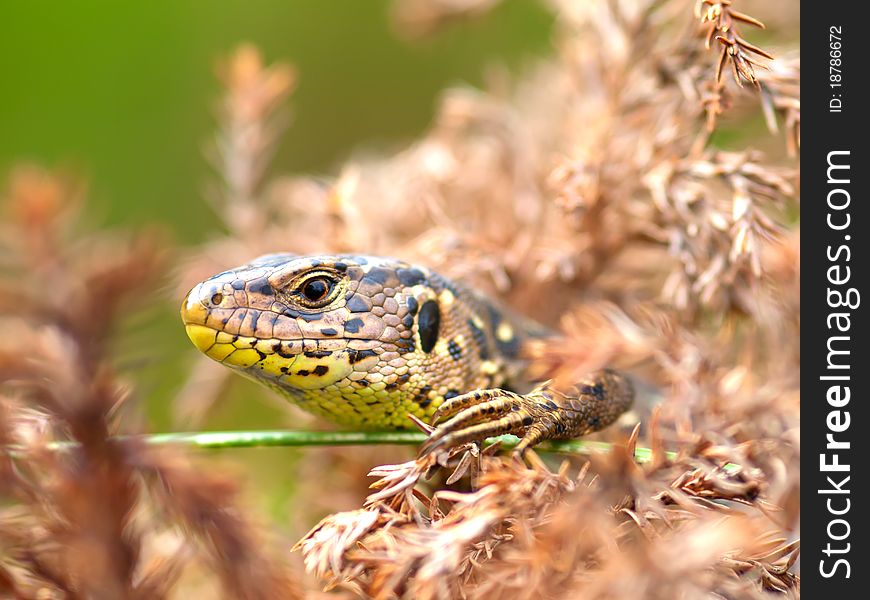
(351,325)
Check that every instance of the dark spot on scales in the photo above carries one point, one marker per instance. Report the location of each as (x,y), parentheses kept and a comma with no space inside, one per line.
(356,304)
(480,340)
(354,356)
(413,305)
(321,370)
(353,325)
(450,394)
(422,398)
(305,316)
(410,277)
(340,266)
(281,351)
(594,390)
(303,373)
(286,310)
(454,349)
(254,320)
(428,322)
(269,316)
(238,285)
(328,331)
(318,353)
(263,288)
(379,275)
(405,346)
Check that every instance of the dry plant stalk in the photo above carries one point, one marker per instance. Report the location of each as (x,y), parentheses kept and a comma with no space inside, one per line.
(107,517)
(721,21)
(527,531)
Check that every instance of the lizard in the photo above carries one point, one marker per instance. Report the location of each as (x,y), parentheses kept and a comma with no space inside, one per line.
(366,341)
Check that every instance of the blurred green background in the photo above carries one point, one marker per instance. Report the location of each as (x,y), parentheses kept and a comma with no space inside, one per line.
(124,93)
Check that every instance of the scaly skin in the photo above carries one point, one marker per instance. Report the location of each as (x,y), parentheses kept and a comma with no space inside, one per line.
(365,341)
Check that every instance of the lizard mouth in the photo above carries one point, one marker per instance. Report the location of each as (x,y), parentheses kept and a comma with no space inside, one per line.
(299,364)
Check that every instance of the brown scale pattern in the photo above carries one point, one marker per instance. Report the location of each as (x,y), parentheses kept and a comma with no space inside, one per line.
(365,341)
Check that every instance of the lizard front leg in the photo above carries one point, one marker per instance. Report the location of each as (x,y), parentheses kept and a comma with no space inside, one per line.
(546,413)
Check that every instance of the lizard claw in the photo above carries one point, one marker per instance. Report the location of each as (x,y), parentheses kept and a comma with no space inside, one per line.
(478,415)
(543,414)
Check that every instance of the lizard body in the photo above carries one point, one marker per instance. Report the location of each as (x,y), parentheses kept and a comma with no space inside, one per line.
(365,341)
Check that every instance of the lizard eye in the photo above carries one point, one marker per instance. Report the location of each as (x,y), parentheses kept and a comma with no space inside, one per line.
(317,291)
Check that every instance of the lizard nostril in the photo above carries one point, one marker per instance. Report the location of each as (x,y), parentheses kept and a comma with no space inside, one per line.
(217,298)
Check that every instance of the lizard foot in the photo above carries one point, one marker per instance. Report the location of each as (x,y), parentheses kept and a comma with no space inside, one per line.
(545,413)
